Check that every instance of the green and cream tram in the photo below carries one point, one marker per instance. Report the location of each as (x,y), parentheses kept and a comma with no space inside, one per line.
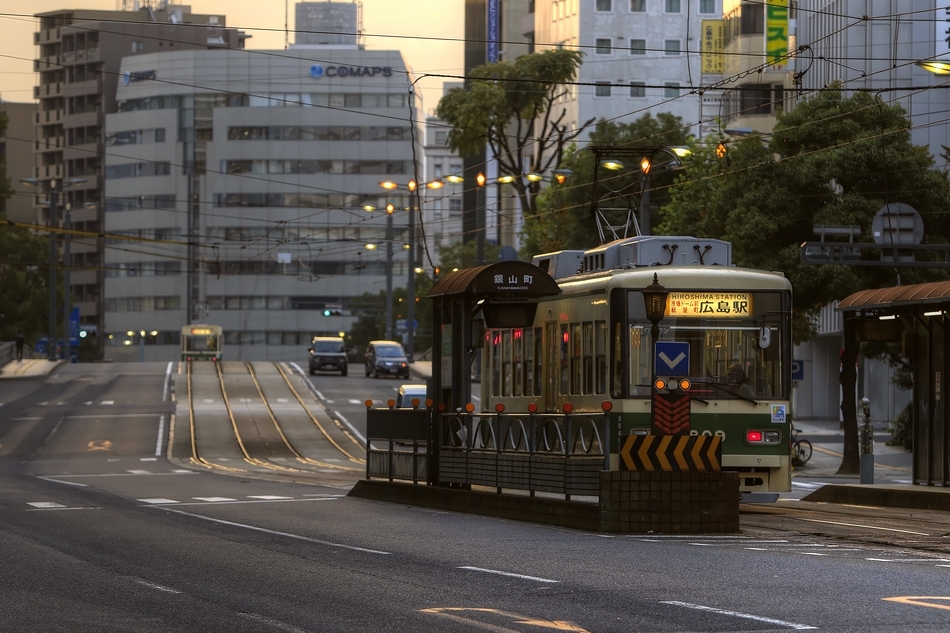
(202,342)
(726,330)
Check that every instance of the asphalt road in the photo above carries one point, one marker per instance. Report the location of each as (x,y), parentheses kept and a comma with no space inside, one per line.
(99,533)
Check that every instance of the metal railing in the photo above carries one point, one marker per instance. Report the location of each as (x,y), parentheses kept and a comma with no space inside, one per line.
(559,453)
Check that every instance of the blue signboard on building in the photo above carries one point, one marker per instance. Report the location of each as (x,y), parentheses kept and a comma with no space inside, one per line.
(493,35)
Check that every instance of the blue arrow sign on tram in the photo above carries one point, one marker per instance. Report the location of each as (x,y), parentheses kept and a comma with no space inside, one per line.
(672,358)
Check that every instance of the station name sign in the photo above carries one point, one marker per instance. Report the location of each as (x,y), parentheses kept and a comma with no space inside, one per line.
(137,76)
(317,71)
(709,304)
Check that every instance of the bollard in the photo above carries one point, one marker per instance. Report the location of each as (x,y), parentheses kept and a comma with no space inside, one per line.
(867,445)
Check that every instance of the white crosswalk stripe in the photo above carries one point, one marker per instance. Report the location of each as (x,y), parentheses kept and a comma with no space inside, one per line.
(159,501)
(45,504)
(212,499)
(268,497)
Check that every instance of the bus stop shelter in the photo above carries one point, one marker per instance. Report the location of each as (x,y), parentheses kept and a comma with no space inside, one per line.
(917,317)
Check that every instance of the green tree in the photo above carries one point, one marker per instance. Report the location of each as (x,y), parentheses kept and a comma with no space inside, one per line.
(465,255)
(24,300)
(371,324)
(832,160)
(512,106)
(563,220)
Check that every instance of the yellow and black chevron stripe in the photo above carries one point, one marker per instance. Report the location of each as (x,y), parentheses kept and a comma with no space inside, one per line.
(676,453)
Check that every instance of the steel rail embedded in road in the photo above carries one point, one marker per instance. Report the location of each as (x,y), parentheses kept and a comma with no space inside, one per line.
(270,412)
(314,419)
(195,457)
(237,433)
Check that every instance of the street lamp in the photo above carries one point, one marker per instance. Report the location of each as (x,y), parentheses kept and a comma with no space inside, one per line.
(54,187)
(654,300)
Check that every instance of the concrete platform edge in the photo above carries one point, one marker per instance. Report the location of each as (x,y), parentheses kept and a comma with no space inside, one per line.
(571,514)
(911,497)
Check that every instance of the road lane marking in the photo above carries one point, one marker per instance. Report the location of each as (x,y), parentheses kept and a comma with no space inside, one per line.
(320,395)
(508,573)
(161,429)
(738,614)
(139,472)
(911,560)
(351,401)
(45,505)
(919,601)
(157,501)
(275,532)
(268,497)
(49,437)
(99,445)
(870,527)
(283,400)
(59,481)
(152,585)
(277,624)
(107,402)
(148,459)
(168,380)
(126,474)
(111,415)
(449,613)
(213,499)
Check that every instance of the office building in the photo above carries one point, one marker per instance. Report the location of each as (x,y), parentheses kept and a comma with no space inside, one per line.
(441,208)
(77,64)
(263,195)
(327,23)
(635,56)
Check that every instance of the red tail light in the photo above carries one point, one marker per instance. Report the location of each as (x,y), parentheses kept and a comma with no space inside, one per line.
(753,436)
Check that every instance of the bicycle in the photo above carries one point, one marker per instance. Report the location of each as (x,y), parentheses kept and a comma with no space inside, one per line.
(801,450)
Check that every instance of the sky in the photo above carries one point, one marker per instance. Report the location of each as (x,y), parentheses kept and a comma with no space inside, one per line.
(264,19)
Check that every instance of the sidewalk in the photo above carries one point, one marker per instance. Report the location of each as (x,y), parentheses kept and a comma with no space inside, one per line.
(29,368)
(892,464)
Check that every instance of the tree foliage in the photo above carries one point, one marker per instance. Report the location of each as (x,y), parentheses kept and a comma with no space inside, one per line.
(512,106)
(24,301)
(465,255)
(831,161)
(563,220)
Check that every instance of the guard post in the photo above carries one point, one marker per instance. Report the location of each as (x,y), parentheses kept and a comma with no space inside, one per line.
(498,295)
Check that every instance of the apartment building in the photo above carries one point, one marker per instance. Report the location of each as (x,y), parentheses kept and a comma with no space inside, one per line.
(16,151)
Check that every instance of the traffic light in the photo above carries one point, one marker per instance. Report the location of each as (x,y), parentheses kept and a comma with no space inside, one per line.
(435,273)
(328,312)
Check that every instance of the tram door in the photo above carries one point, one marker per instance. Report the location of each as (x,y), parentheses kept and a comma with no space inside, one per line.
(551,366)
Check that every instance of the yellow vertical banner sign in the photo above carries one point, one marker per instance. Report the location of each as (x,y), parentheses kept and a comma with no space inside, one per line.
(776,32)
(714,32)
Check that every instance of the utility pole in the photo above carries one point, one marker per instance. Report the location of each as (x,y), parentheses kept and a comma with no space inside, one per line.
(67,304)
(411,282)
(389,272)
(51,223)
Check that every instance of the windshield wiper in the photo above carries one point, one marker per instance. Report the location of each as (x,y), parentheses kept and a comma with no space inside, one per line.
(725,387)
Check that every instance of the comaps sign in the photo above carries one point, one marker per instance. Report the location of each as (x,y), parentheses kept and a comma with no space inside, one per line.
(730,305)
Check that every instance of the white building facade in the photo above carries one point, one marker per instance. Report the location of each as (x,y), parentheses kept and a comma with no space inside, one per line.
(635,56)
(246,186)
(442,207)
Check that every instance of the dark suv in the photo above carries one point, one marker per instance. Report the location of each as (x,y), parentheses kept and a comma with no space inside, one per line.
(386,358)
(327,353)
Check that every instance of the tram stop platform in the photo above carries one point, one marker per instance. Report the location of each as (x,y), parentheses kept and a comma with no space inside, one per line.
(29,368)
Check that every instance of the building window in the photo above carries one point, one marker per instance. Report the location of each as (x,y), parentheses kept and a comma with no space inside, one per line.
(671,47)
(455,207)
(638,89)
(671,89)
(602,46)
(672,6)
(707,6)
(440,137)
(638,47)
(437,168)
(604,5)
(602,89)
(138,46)
(638,6)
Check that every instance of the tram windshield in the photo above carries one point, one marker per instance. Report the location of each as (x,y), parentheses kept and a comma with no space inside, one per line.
(194,343)
(731,344)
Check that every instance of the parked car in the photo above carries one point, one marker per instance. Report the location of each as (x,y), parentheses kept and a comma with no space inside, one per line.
(327,353)
(407,392)
(386,358)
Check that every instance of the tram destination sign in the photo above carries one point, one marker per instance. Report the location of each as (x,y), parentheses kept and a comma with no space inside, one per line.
(730,305)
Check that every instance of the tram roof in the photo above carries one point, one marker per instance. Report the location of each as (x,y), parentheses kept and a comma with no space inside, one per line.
(692,277)
(499,279)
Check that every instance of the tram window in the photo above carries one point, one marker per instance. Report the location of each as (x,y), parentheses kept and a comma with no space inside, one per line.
(538,360)
(600,357)
(516,359)
(638,369)
(496,362)
(576,358)
(565,369)
(588,363)
(506,362)
(616,387)
(528,361)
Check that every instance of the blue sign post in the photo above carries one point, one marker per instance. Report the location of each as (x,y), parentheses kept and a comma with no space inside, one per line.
(672,358)
(798,370)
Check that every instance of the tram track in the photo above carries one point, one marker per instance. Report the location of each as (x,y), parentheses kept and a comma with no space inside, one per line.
(267,440)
